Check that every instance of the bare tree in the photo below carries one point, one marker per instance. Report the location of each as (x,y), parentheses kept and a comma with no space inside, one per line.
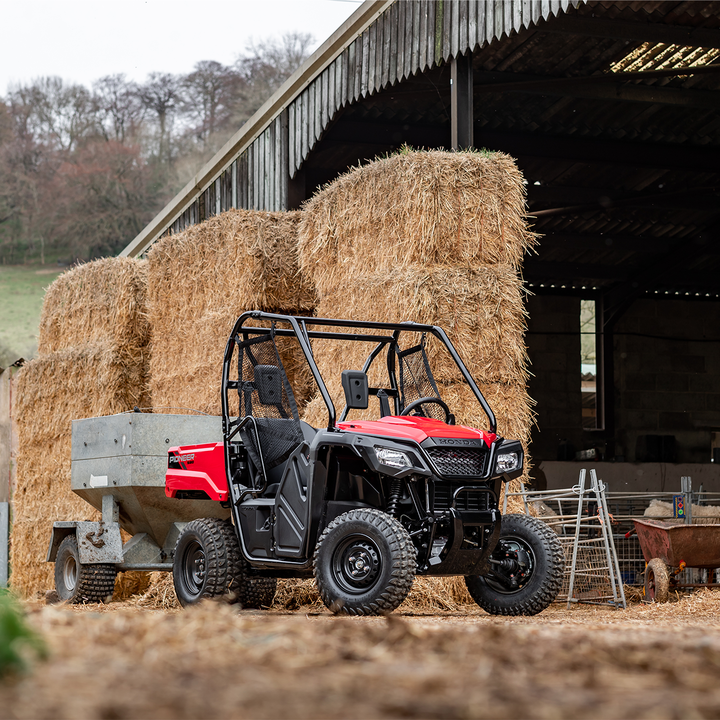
(119,107)
(209,95)
(160,95)
(266,65)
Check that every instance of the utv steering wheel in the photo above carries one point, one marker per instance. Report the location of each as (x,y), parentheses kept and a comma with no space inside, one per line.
(449,417)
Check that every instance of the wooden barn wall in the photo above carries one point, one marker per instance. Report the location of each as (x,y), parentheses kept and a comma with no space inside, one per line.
(408,38)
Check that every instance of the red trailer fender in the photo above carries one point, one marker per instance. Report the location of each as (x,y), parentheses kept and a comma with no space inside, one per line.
(197,468)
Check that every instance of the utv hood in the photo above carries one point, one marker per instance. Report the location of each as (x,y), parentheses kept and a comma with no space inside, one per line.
(414,428)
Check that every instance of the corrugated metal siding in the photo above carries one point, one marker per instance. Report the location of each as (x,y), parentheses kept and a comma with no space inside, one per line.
(409,37)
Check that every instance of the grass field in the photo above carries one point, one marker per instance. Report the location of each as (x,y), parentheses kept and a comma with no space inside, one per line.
(22,288)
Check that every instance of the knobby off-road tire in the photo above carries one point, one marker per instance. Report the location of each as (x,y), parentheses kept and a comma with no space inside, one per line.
(657,581)
(364,563)
(78,584)
(208,564)
(542,580)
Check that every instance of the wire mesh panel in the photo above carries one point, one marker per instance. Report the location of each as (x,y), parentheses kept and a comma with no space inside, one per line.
(266,395)
(416,379)
(580,518)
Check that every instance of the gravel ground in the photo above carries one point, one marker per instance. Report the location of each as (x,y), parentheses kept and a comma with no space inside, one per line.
(213,661)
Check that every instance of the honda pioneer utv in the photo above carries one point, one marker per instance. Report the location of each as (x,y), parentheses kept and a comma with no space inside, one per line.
(363,505)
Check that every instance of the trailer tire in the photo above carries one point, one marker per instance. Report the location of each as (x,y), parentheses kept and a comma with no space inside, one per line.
(364,563)
(544,570)
(78,584)
(657,581)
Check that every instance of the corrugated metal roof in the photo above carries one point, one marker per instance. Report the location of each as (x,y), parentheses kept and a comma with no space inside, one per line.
(383,43)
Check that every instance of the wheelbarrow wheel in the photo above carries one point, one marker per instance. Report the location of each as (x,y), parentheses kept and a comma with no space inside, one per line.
(657,581)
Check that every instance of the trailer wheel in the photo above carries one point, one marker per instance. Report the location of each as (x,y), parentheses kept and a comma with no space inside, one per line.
(528,569)
(364,563)
(657,581)
(78,584)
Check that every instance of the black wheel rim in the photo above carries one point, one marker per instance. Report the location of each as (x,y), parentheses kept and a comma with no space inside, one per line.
(70,572)
(356,564)
(194,568)
(526,566)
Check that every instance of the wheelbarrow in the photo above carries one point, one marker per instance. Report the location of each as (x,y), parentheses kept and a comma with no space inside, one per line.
(671,546)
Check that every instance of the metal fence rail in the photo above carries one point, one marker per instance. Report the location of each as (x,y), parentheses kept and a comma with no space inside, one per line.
(623,508)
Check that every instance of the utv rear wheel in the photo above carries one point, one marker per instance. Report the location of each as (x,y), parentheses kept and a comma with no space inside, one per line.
(527,570)
(364,563)
(208,564)
(78,584)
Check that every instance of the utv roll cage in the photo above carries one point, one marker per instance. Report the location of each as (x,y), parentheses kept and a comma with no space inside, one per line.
(300,327)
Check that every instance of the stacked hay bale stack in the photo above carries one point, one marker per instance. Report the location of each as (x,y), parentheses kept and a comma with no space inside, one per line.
(200,281)
(436,238)
(92,360)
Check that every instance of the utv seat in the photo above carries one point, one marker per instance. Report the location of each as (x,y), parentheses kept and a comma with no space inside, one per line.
(275,474)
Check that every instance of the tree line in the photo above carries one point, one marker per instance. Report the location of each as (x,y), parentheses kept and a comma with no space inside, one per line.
(83,170)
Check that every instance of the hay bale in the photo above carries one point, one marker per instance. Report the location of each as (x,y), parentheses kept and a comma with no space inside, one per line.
(53,390)
(481,309)
(416,208)
(98,303)
(200,281)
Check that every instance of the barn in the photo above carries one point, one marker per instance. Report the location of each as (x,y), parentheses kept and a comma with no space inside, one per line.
(612,110)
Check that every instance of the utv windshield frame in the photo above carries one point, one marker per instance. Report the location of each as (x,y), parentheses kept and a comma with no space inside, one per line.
(300,327)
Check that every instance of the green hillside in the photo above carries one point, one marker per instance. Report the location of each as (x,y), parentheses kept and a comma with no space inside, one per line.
(22,288)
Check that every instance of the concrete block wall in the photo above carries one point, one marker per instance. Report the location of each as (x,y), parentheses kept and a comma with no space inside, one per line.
(553,341)
(668,384)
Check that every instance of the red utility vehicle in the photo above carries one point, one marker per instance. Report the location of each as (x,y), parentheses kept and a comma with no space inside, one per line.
(361,505)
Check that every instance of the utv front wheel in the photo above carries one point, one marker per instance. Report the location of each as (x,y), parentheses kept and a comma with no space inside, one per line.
(78,584)
(364,563)
(527,569)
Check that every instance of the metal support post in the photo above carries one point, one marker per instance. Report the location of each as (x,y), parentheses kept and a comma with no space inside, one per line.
(686,489)
(461,102)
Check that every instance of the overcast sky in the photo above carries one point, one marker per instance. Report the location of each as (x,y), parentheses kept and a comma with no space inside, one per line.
(82,40)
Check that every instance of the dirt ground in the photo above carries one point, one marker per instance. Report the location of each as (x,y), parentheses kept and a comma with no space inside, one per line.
(215,661)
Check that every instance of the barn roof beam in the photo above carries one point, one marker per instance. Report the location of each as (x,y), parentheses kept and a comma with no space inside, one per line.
(624,282)
(690,199)
(628,30)
(598,87)
(608,152)
(610,241)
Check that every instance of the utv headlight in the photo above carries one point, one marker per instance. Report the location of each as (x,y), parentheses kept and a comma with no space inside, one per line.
(392,458)
(507,462)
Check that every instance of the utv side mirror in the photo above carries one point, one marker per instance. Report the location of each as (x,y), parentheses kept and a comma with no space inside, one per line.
(355,385)
(268,384)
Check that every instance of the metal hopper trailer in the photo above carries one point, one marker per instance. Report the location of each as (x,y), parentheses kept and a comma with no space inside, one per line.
(118,466)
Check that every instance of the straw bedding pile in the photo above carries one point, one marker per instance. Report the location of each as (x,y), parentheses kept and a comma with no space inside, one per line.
(432,237)
(200,281)
(92,361)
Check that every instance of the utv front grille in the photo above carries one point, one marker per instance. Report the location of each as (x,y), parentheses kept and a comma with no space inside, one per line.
(466,500)
(458,462)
